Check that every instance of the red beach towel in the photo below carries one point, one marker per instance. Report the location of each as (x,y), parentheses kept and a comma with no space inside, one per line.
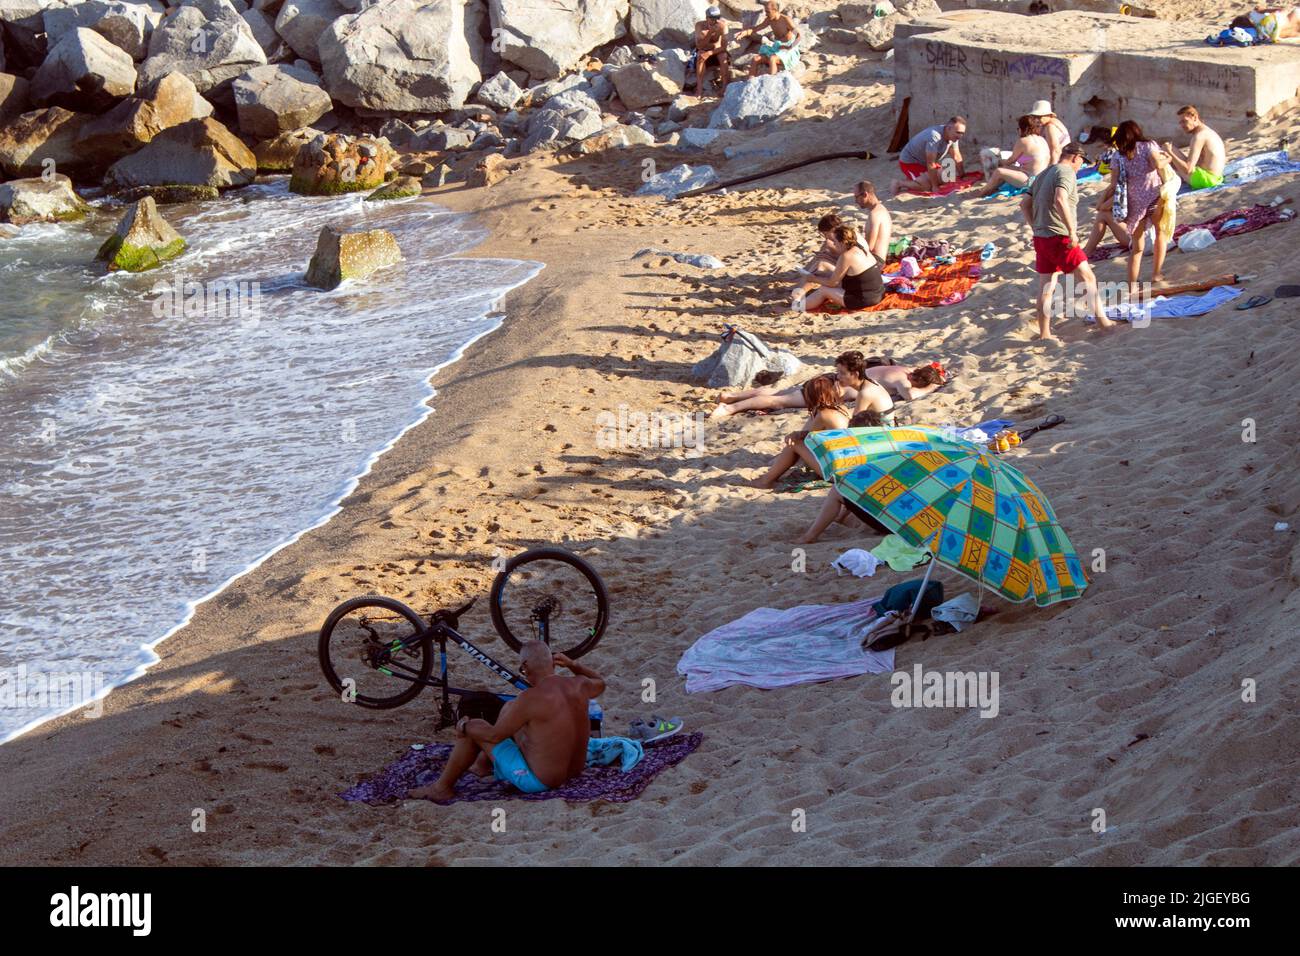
(936,283)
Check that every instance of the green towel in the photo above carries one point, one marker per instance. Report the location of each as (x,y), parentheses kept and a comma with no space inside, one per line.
(898,554)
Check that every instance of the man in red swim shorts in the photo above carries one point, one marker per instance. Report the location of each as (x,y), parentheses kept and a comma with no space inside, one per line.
(1050,209)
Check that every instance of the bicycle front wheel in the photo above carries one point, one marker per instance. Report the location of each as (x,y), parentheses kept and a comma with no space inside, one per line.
(552,595)
(373,651)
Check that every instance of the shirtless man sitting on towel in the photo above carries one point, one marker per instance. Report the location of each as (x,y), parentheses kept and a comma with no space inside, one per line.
(1202,165)
(539,741)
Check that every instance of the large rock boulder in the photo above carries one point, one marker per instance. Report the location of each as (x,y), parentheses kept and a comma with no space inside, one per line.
(201,152)
(665,22)
(488,171)
(83,71)
(278,154)
(334,163)
(13,95)
(143,240)
(756,101)
(40,199)
(401,187)
(273,99)
(400,55)
(42,141)
(133,122)
(208,41)
(125,25)
(263,30)
(550,37)
(563,120)
(301,23)
(22,25)
(679,179)
(500,92)
(617,136)
(650,84)
(350,255)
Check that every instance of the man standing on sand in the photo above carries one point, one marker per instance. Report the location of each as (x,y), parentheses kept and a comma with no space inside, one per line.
(922,159)
(880,225)
(781,52)
(1201,167)
(539,741)
(711,44)
(1050,209)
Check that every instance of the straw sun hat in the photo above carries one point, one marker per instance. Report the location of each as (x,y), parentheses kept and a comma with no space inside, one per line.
(1041,108)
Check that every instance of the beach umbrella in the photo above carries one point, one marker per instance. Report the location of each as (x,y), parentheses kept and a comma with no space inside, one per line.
(975,511)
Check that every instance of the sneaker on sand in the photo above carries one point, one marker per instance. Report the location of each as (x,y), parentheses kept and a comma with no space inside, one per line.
(654,729)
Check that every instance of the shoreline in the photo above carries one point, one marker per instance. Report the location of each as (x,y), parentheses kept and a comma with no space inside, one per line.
(236,720)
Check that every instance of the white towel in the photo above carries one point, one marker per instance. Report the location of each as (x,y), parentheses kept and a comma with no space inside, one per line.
(859,563)
(960,611)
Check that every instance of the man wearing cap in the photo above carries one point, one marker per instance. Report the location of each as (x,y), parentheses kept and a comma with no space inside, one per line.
(1051,210)
(711,44)
(1054,130)
(1202,165)
(921,161)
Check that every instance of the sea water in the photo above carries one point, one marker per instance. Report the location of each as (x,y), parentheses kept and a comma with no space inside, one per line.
(163,433)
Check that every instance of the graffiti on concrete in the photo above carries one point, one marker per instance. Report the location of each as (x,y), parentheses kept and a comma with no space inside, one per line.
(945,56)
(1206,76)
(948,58)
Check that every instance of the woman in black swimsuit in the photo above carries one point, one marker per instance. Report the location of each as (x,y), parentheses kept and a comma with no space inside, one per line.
(856,281)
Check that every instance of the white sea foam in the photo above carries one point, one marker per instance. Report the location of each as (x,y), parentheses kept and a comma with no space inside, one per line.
(148,461)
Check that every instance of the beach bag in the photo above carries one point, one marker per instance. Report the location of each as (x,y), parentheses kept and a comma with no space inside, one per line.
(735,362)
(900,599)
(922,249)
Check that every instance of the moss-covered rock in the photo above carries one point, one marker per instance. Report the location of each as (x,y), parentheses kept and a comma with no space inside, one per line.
(40,199)
(331,164)
(169,194)
(400,188)
(143,240)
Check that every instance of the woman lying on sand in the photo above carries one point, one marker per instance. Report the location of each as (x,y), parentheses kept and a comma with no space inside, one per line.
(824,399)
(907,384)
(855,283)
(851,371)
(1029,157)
(835,508)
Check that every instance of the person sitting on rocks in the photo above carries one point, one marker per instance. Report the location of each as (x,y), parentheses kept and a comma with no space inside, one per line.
(711,44)
(1201,166)
(782,51)
(1029,157)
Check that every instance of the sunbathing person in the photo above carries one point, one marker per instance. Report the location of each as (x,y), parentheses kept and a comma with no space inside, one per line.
(1201,167)
(825,402)
(835,508)
(782,51)
(856,380)
(908,384)
(856,282)
(771,398)
(711,44)
(822,263)
(1271,23)
(1053,130)
(1029,157)
(539,740)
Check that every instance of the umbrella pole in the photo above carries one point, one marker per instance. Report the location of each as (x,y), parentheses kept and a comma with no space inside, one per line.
(924,581)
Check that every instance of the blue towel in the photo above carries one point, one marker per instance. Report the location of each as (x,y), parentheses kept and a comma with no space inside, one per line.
(1177,306)
(607,750)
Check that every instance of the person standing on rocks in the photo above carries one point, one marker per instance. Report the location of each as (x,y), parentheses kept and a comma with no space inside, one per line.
(782,51)
(711,44)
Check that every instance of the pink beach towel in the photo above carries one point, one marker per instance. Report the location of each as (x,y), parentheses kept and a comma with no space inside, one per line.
(776,648)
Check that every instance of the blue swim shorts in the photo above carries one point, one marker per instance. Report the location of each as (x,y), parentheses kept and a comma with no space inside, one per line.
(509,766)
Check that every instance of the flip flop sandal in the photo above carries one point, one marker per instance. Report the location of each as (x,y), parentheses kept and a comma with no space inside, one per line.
(1051,421)
(1254,302)
(1287,291)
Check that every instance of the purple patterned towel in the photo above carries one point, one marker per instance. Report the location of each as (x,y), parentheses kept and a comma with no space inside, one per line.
(595,783)
(1257,217)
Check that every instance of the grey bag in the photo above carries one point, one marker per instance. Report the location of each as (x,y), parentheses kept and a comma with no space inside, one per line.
(736,361)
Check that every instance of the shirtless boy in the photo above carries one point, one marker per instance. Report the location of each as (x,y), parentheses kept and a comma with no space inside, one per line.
(1201,166)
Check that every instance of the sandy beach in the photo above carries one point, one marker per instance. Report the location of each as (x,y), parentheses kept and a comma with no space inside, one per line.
(1129,699)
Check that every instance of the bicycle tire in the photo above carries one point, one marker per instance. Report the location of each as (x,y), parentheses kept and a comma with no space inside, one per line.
(500,585)
(391,606)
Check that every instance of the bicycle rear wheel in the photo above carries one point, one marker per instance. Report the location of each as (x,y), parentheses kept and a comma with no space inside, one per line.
(377,643)
(553,595)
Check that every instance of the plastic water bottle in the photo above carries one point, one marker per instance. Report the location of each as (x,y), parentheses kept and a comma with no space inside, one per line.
(1196,240)
(988,252)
